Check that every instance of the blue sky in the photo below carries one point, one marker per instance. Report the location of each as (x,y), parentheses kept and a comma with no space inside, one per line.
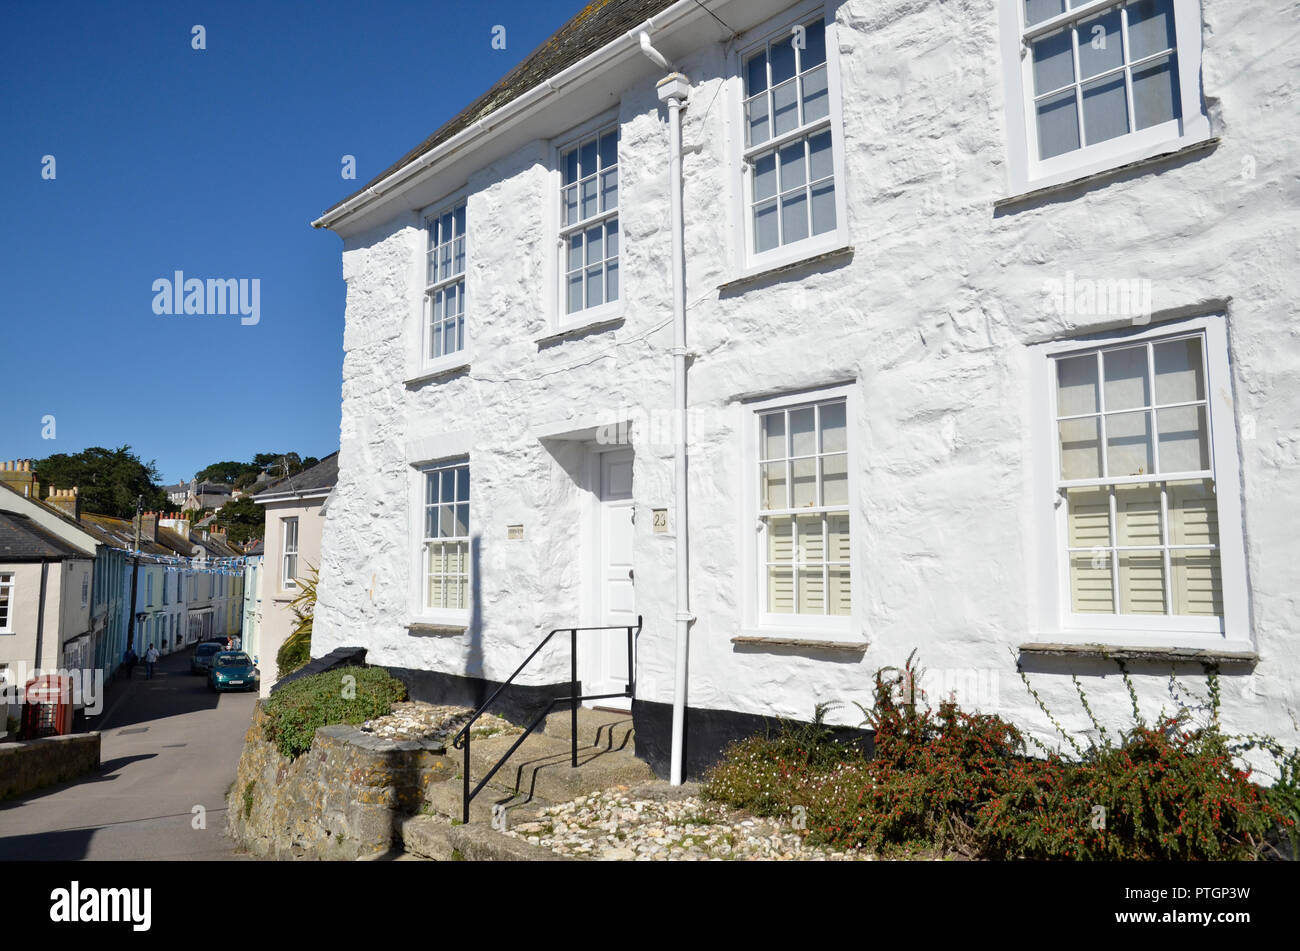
(213,162)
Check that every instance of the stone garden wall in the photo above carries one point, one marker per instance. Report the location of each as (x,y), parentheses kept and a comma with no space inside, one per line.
(342,799)
(32,764)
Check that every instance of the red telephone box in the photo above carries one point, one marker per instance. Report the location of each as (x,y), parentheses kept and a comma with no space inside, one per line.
(47,707)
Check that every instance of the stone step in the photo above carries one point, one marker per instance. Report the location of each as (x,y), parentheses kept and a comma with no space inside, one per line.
(428,837)
(445,800)
(438,838)
(605,729)
(540,767)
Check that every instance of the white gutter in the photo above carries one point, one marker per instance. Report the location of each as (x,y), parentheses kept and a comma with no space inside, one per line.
(674,90)
(512,112)
(290,496)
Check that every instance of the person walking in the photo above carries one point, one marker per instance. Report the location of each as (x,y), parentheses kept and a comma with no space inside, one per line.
(150,658)
(128,661)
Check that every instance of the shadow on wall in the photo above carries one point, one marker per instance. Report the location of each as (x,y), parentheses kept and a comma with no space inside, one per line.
(473,665)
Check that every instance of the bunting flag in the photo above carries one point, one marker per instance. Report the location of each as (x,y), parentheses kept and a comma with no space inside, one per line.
(223,566)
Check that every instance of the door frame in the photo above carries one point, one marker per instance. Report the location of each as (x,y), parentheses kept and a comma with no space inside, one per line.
(592,599)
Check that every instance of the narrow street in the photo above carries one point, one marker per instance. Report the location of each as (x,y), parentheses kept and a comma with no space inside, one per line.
(169,745)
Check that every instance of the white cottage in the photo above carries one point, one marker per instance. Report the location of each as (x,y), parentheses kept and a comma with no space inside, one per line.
(981,320)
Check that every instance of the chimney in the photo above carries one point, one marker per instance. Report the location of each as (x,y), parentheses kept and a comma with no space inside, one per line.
(67,501)
(18,475)
(149,527)
(178,522)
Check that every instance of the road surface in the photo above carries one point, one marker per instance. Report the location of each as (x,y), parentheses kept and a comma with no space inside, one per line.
(168,745)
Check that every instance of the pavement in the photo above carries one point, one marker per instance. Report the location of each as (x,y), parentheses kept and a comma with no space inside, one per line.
(169,748)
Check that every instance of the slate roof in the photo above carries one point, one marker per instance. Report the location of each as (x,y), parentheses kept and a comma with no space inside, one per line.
(595,25)
(120,533)
(321,476)
(21,539)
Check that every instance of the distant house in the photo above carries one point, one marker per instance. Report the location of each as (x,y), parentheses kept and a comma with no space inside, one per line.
(197,495)
(101,642)
(295,507)
(161,582)
(45,607)
(254,566)
(178,493)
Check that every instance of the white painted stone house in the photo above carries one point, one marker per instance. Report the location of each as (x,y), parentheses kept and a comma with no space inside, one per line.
(1014,376)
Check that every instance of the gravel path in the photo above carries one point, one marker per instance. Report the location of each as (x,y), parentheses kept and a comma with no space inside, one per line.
(412,720)
(657,822)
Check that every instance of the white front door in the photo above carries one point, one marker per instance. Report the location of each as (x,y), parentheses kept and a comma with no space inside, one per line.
(605,669)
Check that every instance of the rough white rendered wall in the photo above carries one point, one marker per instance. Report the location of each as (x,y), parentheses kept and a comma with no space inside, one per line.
(931,318)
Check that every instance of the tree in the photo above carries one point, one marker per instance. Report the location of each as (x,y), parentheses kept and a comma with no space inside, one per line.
(109,480)
(243,519)
(225,471)
(248,479)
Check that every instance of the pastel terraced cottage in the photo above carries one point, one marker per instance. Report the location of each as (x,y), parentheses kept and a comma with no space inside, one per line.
(966,329)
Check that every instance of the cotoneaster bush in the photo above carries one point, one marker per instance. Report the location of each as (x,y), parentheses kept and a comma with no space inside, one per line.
(963,783)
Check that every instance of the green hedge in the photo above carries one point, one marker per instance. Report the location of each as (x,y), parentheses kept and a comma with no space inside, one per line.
(296,710)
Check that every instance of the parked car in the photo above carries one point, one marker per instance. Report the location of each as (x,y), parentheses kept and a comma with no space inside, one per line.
(233,670)
(201,659)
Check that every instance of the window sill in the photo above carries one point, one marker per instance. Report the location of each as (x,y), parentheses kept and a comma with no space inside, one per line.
(435,629)
(597,322)
(1042,188)
(758,274)
(1229,652)
(440,368)
(800,638)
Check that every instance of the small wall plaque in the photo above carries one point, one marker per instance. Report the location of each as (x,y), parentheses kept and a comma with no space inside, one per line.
(515,532)
(660,521)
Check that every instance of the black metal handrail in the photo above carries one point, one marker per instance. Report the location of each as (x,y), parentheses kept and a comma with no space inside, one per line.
(462,739)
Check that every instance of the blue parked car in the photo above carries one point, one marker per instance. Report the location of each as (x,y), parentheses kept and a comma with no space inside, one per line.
(233,670)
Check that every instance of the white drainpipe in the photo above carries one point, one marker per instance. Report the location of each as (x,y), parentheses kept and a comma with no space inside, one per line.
(673,90)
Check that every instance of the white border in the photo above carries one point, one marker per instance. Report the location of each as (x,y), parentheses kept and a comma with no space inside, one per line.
(416,610)
(745,262)
(12,585)
(1054,618)
(558,322)
(1026,173)
(418,365)
(286,584)
(754,622)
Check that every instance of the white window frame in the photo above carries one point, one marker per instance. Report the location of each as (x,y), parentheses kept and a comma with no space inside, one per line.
(756,620)
(1026,171)
(1055,617)
(9,585)
(561,321)
(747,261)
(420,608)
(424,365)
(287,580)
(85,588)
